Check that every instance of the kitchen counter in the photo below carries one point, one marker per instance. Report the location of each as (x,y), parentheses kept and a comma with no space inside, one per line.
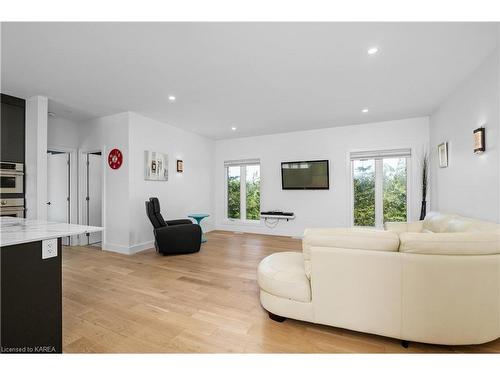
(15,231)
(31,283)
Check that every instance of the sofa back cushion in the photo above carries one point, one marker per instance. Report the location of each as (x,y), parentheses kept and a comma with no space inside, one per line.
(347,238)
(463,243)
(469,225)
(436,222)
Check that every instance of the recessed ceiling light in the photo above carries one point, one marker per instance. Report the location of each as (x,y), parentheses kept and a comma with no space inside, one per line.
(171,98)
(233,128)
(372,50)
(365,110)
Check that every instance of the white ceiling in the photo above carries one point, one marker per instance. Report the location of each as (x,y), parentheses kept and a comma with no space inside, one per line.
(259,77)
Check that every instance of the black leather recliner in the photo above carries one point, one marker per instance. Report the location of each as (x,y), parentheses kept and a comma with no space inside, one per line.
(173,236)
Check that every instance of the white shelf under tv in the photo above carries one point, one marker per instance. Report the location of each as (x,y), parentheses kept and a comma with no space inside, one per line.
(279,217)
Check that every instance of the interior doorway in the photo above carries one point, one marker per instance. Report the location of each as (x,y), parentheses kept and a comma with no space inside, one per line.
(92,206)
(59,188)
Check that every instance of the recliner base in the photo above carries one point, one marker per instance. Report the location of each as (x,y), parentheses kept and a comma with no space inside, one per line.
(178,252)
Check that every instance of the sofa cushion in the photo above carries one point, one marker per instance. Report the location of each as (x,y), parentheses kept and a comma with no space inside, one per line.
(450,243)
(282,274)
(436,222)
(466,224)
(347,238)
(398,227)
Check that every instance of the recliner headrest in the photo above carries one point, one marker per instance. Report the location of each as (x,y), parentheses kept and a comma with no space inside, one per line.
(156,205)
(151,215)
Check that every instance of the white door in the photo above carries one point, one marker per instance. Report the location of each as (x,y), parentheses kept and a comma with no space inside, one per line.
(58,188)
(94,195)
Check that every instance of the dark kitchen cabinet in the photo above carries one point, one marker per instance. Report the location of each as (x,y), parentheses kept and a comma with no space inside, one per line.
(13,129)
(31,299)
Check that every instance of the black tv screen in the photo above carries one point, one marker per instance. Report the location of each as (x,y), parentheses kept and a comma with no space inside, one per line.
(305,175)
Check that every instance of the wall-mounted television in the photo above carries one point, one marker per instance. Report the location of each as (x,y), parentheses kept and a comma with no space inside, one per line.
(305,175)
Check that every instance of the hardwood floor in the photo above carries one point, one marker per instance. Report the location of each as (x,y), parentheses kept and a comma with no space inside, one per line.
(206,302)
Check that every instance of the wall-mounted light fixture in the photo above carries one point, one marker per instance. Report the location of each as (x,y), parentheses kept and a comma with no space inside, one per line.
(180,166)
(479,140)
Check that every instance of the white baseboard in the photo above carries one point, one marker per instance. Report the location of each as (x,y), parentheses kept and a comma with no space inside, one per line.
(141,247)
(106,246)
(128,250)
(256,230)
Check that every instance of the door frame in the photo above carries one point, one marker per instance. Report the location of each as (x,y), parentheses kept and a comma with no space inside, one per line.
(82,178)
(73,186)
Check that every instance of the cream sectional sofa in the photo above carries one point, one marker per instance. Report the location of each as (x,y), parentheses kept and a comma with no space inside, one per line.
(433,281)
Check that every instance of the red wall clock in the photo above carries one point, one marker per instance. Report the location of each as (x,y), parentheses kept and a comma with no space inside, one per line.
(115,158)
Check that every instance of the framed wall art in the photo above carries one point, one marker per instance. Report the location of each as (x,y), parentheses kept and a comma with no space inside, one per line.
(443,155)
(156,166)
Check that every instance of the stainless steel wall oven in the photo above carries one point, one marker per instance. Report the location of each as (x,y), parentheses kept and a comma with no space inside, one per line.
(11,178)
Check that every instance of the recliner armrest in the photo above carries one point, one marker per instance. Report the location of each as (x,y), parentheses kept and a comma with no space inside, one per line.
(178,222)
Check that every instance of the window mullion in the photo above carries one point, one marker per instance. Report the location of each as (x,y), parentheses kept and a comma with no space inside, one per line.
(408,188)
(243,193)
(352,193)
(379,193)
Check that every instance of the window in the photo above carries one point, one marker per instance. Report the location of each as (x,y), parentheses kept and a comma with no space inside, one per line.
(234,192)
(379,187)
(243,189)
(364,192)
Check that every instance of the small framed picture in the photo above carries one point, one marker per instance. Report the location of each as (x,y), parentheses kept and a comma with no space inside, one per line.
(180,166)
(479,141)
(443,154)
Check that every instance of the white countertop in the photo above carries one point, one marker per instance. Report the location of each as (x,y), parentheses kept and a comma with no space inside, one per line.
(15,230)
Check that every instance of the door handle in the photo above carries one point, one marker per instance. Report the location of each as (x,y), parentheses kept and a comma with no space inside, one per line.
(48,203)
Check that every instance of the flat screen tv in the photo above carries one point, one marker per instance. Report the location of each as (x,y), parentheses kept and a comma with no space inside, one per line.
(305,175)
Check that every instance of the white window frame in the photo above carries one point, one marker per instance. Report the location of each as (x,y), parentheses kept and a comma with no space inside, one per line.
(242,164)
(379,181)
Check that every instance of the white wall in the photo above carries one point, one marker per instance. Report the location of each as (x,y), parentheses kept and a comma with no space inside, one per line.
(103,134)
(127,229)
(316,208)
(470,184)
(183,193)
(63,133)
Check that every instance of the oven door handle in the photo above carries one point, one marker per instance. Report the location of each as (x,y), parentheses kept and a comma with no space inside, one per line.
(11,173)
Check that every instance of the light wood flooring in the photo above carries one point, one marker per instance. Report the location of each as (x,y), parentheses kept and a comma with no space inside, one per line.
(206,302)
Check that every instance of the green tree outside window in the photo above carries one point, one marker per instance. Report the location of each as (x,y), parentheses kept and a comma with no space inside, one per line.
(252,192)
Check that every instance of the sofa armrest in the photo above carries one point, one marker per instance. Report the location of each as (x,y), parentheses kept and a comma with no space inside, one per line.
(463,243)
(398,227)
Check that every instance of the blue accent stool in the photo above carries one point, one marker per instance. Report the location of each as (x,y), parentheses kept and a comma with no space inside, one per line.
(199,218)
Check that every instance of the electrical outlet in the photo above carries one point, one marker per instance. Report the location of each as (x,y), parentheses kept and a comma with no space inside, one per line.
(49,248)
